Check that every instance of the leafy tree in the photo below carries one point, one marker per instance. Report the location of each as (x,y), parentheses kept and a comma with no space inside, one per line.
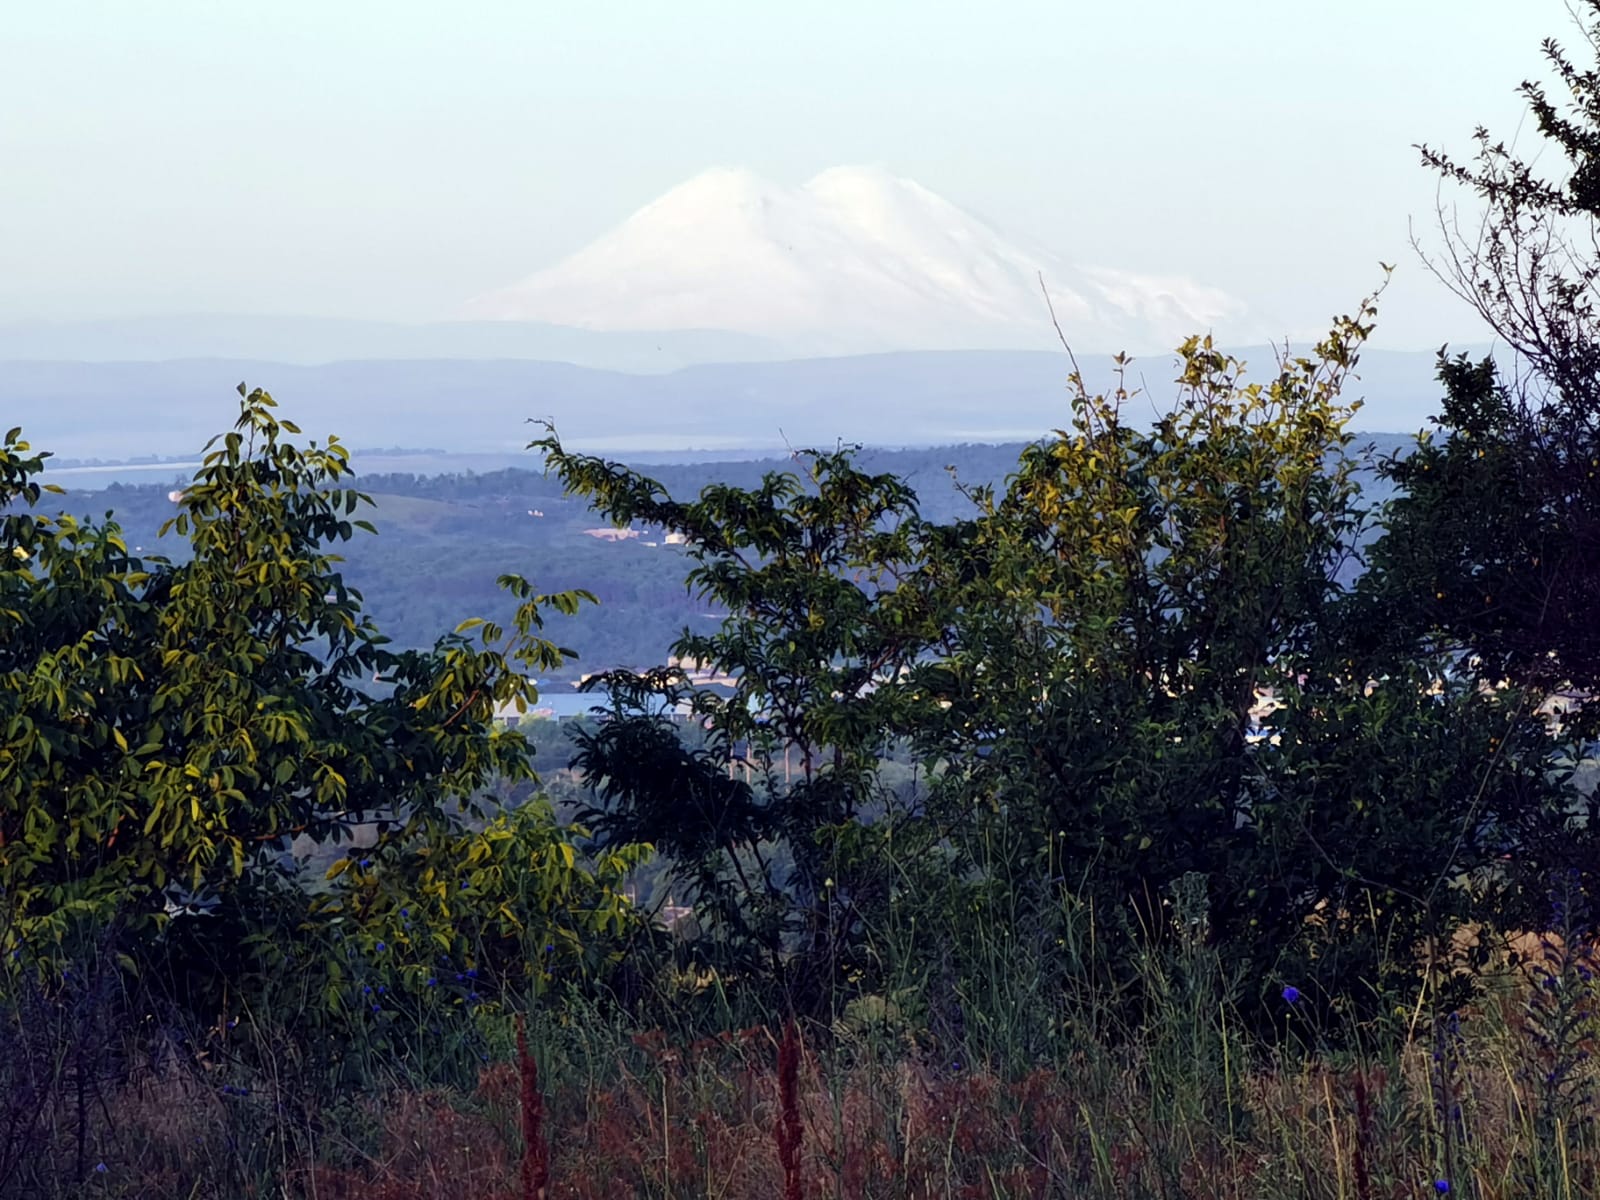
(1124,602)
(1488,551)
(774,823)
(1497,540)
(1128,610)
(511,901)
(168,729)
(1385,815)
(1488,568)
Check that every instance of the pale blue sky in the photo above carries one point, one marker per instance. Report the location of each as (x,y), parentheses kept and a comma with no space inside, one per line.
(390,160)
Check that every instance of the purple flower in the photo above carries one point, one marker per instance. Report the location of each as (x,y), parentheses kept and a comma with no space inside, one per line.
(1442,1186)
(1291,994)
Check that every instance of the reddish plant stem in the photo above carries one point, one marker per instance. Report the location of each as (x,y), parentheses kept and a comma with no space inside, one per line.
(535,1151)
(788,1132)
(1363,1138)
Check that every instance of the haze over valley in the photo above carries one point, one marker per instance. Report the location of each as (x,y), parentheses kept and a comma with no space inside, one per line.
(730,313)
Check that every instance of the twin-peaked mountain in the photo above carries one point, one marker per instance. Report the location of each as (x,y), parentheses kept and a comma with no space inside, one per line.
(856,260)
(731,313)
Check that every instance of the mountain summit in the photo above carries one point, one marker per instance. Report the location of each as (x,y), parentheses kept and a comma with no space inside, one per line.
(855,260)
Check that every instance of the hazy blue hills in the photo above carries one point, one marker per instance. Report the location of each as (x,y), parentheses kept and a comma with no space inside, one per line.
(310,340)
(124,410)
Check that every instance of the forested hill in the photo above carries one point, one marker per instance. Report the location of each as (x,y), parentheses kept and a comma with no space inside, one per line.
(444,540)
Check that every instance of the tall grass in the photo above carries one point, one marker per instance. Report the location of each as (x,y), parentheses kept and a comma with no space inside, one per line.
(998,1063)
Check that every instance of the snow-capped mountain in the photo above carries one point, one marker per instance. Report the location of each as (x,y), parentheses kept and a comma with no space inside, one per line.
(855,260)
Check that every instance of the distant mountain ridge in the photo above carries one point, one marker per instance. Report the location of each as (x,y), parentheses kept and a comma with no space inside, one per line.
(311,341)
(127,410)
(856,260)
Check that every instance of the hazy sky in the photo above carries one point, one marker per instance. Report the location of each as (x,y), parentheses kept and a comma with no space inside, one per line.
(393,159)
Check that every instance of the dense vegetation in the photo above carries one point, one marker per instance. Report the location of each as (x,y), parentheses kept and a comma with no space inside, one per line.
(1162,814)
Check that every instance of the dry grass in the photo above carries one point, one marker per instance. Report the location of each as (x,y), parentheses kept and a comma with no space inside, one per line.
(1180,1106)
(702,1121)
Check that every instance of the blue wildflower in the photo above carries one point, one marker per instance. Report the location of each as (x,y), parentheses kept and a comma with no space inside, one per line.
(1291,994)
(1442,1186)
(100,1168)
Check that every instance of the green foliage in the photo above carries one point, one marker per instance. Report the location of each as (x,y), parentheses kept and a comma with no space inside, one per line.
(170,727)
(1087,669)
(1489,548)
(765,821)
(1501,524)
(1385,818)
(513,902)
(1157,674)
(1488,569)
(1528,266)
(1122,609)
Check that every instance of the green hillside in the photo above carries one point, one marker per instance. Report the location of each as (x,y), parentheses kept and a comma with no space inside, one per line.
(444,540)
